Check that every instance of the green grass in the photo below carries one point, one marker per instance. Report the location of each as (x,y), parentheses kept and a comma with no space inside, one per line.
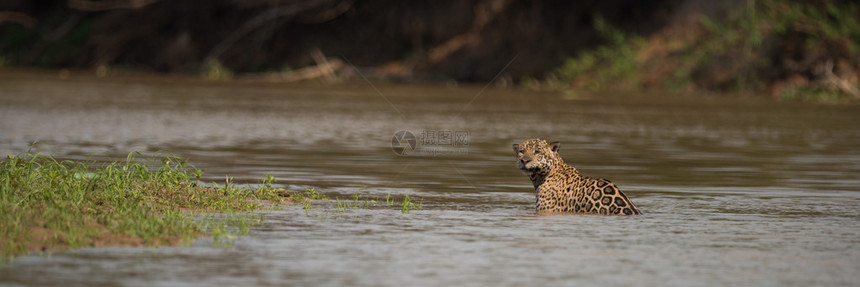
(47,204)
(408,204)
(358,201)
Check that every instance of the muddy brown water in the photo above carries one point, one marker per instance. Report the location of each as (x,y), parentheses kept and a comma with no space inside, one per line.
(734,192)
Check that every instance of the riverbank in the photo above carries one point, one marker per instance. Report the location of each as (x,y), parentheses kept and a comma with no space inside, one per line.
(781,49)
(48,204)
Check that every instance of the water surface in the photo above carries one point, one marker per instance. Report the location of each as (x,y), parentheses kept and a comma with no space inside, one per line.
(734,192)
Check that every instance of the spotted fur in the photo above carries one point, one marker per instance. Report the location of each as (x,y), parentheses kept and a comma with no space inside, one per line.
(560,188)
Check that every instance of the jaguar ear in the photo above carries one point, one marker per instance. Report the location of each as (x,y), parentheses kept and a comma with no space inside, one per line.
(554,146)
(516,147)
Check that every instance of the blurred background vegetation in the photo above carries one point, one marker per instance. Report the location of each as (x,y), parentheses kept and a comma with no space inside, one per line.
(784,49)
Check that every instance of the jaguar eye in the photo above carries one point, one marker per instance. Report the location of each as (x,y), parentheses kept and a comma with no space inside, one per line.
(537,151)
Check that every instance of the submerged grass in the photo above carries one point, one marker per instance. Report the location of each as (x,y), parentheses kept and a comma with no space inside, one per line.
(47,204)
(358,201)
(408,204)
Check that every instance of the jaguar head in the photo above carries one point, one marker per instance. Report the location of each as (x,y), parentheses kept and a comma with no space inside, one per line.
(536,156)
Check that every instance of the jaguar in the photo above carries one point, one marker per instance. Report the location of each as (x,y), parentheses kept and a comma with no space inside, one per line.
(561,188)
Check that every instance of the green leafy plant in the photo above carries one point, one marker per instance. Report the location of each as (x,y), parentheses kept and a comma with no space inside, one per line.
(613,63)
(772,43)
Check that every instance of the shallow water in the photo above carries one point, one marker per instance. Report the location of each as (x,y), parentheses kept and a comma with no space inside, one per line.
(734,192)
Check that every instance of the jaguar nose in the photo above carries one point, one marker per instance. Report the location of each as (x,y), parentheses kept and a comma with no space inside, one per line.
(525,160)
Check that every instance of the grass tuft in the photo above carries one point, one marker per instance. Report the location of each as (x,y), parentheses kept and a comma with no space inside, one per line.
(47,204)
(408,204)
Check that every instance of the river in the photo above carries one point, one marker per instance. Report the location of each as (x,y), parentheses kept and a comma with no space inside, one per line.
(733,191)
